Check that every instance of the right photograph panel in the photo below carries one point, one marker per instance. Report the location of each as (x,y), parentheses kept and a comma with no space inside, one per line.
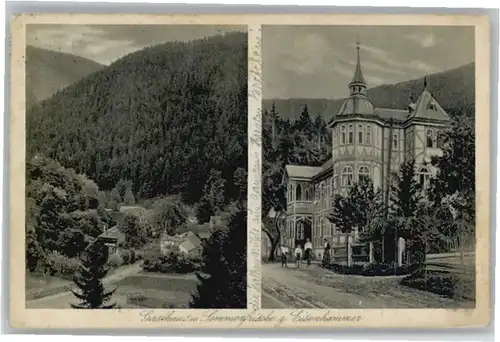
(368,167)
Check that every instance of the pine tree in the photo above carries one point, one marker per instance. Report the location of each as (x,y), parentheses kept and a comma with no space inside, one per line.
(128,197)
(304,123)
(214,190)
(115,196)
(223,278)
(89,279)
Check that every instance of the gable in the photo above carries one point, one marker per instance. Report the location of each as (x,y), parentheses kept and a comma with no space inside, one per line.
(427,107)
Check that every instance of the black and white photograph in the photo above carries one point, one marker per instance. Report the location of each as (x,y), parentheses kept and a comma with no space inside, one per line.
(369,193)
(136,166)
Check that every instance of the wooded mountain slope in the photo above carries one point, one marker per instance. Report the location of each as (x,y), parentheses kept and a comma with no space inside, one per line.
(49,71)
(162,117)
(454,89)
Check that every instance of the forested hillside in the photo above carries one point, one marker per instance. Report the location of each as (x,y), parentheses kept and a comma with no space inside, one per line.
(47,72)
(163,118)
(453,89)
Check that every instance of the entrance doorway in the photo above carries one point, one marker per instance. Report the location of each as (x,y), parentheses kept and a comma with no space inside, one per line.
(303,232)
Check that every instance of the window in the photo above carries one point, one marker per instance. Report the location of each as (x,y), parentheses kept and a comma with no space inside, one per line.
(308,194)
(363,174)
(322,195)
(328,193)
(321,224)
(424,177)
(332,229)
(432,106)
(342,135)
(395,141)
(347,176)
(368,134)
(360,134)
(335,182)
(290,193)
(351,134)
(430,138)
(298,193)
(440,139)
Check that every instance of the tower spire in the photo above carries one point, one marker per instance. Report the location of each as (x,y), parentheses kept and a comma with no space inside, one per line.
(358,83)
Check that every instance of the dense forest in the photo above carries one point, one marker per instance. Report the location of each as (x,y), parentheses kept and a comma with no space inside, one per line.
(453,88)
(161,118)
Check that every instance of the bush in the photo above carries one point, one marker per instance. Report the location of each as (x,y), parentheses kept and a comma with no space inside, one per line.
(374,270)
(128,255)
(173,262)
(139,255)
(115,261)
(61,266)
(442,283)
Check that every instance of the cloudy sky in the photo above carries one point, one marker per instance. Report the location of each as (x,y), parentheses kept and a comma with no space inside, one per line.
(106,43)
(318,61)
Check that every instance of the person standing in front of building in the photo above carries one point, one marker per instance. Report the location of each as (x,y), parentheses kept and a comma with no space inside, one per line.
(284,251)
(298,256)
(308,252)
(326,253)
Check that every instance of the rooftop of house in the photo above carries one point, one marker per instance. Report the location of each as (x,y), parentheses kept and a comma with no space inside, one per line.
(302,171)
(132,209)
(181,238)
(112,233)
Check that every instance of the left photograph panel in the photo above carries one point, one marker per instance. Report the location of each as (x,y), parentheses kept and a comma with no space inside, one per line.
(136,166)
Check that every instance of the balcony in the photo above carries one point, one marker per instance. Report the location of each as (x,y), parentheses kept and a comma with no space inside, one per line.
(300,207)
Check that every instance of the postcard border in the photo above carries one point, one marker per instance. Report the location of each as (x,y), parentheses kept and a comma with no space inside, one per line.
(252,317)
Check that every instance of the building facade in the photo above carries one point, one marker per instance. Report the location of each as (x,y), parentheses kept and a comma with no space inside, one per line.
(367,142)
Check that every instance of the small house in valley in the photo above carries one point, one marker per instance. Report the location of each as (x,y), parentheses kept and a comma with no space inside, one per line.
(111,238)
(187,243)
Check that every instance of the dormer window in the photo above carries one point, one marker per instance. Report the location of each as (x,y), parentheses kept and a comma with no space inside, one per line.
(432,106)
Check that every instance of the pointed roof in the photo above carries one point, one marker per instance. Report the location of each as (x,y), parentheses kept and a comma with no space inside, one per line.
(426,107)
(358,73)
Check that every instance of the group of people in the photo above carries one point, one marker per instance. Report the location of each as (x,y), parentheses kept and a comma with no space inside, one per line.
(305,253)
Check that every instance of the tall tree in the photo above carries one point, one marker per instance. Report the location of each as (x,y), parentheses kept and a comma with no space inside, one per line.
(214,191)
(89,279)
(115,196)
(168,215)
(304,123)
(223,278)
(360,209)
(135,236)
(128,197)
(405,197)
(456,167)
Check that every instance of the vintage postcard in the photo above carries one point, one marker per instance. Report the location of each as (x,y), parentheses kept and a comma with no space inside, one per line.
(249,171)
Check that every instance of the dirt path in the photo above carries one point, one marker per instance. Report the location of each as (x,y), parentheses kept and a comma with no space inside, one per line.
(316,287)
(63,298)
